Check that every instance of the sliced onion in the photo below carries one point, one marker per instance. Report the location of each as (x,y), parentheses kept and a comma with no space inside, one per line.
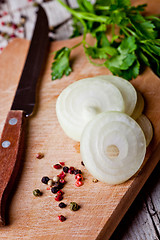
(127,90)
(83,100)
(146,126)
(113,147)
(139,106)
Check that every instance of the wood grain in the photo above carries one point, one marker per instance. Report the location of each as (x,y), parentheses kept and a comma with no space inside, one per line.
(11,149)
(102,206)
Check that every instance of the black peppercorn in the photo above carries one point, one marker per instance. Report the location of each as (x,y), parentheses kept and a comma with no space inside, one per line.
(65,169)
(77,171)
(45,180)
(62,205)
(54,189)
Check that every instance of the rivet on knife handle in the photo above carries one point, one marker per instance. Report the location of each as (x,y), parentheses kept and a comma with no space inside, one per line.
(11,149)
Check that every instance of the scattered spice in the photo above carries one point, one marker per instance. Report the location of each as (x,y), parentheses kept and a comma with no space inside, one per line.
(78,183)
(61,175)
(57,166)
(61,218)
(60,192)
(37,193)
(62,181)
(65,169)
(94,180)
(50,183)
(39,155)
(58,197)
(54,189)
(45,180)
(62,205)
(55,179)
(77,171)
(82,163)
(74,206)
(79,177)
(71,170)
(62,163)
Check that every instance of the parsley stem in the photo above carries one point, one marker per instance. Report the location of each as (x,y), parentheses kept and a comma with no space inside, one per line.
(102,7)
(89,16)
(78,44)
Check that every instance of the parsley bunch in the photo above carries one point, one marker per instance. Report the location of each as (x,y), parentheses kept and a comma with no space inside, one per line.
(137,42)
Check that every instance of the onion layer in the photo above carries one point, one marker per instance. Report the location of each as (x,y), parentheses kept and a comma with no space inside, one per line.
(83,100)
(112,147)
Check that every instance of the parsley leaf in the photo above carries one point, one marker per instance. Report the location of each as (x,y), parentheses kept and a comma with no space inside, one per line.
(61,64)
(135,41)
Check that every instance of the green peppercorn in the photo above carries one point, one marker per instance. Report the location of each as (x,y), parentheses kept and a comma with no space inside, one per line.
(37,193)
(74,206)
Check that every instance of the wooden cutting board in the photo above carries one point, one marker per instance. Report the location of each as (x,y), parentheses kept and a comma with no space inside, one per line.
(101,206)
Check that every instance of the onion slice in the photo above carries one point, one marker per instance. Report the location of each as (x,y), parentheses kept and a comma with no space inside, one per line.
(139,106)
(113,147)
(127,90)
(83,100)
(146,126)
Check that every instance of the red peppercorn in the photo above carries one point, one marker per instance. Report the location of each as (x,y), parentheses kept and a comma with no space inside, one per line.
(78,183)
(57,166)
(71,170)
(60,192)
(61,218)
(3,23)
(58,197)
(62,163)
(79,177)
(61,175)
(62,181)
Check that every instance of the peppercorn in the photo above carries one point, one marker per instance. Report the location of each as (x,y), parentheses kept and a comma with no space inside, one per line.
(61,175)
(78,183)
(58,197)
(54,189)
(50,183)
(62,205)
(57,166)
(94,180)
(61,218)
(79,177)
(62,181)
(39,155)
(60,192)
(74,206)
(77,171)
(71,170)
(62,163)
(65,169)
(55,179)
(37,193)
(45,180)
(82,163)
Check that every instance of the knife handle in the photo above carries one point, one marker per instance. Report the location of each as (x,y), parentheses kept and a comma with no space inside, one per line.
(11,149)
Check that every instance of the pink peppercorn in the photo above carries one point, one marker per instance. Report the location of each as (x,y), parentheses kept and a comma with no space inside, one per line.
(78,183)
(62,181)
(60,192)
(57,166)
(58,197)
(62,163)
(61,175)
(71,170)
(79,177)
(61,218)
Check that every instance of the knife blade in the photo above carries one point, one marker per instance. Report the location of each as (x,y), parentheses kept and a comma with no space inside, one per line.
(13,134)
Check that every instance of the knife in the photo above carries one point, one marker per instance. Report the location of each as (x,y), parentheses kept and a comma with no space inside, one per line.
(13,134)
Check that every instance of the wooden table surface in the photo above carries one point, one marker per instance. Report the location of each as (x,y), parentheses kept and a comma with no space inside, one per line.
(142,221)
